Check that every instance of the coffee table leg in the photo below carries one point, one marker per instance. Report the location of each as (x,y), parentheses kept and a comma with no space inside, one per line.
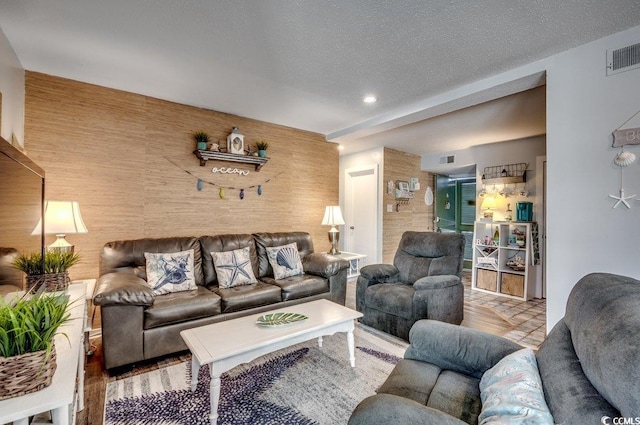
(215,397)
(320,341)
(195,369)
(352,348)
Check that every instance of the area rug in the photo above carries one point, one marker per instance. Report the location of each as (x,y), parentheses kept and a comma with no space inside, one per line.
(300,385)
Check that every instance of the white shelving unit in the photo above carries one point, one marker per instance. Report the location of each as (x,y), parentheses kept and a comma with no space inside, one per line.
(496,268)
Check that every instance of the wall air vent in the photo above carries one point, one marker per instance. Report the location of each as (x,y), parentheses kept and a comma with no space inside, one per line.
(447,159)
(623,59)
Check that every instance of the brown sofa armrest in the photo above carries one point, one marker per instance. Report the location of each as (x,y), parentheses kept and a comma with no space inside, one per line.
(323,264)
(123,289)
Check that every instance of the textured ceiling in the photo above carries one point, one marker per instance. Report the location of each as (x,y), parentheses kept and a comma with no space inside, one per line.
(306,63)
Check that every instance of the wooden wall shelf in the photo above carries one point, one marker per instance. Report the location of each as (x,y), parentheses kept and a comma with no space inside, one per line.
(205,156)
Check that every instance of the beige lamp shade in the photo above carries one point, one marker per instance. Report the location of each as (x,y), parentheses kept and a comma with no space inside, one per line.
(61,218)
(332,216)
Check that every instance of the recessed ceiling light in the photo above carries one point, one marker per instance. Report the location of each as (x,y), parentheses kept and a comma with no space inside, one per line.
(369,99)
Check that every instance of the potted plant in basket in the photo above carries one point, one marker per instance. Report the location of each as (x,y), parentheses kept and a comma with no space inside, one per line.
(262,148)
(202,140)
(54,276)
(28,326)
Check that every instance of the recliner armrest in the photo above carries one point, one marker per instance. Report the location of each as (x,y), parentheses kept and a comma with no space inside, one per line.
(323,264)
(123,289)
(390,409)
(436,282)
(379,273)
(452,347)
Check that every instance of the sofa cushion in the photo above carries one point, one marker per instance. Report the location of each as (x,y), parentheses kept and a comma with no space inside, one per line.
(128,256)
(447,391)
(511,391)
(391,298)
(285,260)
(181,307)
(170,272)
(603,316)
(296,287)
(264,240)
(422,254)
(570,396)
(248,296)
(233,268)
(221,243)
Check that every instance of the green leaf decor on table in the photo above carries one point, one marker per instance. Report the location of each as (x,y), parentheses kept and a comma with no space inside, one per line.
(279,319)
(30,323)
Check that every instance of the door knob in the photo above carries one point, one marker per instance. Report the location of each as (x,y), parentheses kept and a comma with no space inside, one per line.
(351,227)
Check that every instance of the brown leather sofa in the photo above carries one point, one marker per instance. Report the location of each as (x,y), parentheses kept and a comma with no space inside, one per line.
(139,325)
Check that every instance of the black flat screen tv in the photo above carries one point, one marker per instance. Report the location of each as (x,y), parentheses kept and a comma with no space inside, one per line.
(21,200)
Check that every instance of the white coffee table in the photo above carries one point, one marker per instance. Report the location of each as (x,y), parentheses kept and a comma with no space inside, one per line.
(228,344)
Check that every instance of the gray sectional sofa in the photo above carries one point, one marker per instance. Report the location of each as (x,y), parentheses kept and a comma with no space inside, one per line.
(588,364)
(139,325)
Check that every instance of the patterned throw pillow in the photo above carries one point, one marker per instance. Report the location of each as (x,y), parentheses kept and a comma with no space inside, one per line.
(511,392)
(233,268)
(170,272)
(285,261)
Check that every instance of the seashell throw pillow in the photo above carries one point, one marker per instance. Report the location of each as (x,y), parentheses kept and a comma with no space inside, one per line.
(170,272)
(233,268)
(285,261)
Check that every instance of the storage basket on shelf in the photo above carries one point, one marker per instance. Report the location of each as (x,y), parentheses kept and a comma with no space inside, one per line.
(26,373)
(50,281)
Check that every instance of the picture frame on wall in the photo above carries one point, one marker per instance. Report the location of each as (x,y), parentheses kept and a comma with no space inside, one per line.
(403,186)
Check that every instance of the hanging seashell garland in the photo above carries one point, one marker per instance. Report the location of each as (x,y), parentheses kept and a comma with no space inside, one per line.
(222,192)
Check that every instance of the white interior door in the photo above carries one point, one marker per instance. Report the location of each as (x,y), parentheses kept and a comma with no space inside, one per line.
(361,212)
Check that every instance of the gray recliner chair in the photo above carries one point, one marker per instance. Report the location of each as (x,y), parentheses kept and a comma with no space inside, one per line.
(423,283)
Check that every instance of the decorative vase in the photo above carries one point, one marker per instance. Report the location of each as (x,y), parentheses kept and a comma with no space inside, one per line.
(262,153)
(26,373)
(201,146)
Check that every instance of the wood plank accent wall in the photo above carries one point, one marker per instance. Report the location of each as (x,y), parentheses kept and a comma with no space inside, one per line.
(110,150)
(416,216)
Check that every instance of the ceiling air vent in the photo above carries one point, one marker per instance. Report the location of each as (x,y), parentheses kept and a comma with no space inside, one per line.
(447,159)
(623,59)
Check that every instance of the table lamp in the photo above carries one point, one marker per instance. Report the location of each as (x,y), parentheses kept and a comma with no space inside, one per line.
(333,218)
(488,205)
(61,218)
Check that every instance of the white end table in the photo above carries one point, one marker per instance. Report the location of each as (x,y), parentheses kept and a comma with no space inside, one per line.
(355,262)
(58,397)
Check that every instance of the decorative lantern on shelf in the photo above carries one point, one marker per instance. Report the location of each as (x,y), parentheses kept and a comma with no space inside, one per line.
(235,142)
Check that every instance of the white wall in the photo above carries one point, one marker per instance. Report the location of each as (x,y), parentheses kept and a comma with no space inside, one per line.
(12,89)
(360,159)
(511,152)
(584,106)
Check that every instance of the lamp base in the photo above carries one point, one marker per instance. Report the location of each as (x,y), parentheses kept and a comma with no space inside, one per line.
(61,245)
(334,238)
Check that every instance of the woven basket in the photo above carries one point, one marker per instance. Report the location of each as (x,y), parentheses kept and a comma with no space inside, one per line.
(26,373)
(52,282)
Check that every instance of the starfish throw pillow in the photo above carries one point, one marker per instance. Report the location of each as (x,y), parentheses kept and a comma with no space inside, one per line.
(285,261)
(170,272)
(233,268)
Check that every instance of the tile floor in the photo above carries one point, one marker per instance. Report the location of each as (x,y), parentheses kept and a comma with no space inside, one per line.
(527,317)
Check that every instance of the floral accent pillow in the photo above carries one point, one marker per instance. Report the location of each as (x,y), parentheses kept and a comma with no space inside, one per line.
(511,392)
(233,268)
(170,272)
(285,261)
